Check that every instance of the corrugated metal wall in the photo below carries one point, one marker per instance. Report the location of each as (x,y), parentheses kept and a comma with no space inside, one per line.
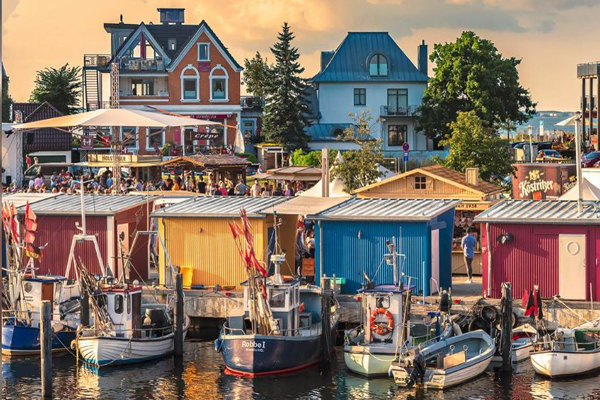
(347,255)
(58,232)
(532,258)
(206,245)
(446,236)
(136,219)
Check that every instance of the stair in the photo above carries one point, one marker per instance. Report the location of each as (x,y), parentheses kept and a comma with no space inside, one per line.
(91,89)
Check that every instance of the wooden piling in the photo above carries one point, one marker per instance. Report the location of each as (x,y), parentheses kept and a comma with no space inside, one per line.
(506,321)
(46,348)
(178,315)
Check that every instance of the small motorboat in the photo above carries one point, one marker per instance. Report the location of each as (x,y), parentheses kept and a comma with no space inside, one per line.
(448,362)
(569,353)
(523,343)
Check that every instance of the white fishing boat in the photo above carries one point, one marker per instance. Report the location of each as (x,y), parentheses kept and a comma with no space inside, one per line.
(523,344)
(446,363)
(124,330)
(569,353)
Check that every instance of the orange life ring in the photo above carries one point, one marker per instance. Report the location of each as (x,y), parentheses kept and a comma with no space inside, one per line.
(380,328)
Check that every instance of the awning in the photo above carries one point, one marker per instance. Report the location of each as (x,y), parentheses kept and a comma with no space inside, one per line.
(304,205)
(207,161)
(117,117)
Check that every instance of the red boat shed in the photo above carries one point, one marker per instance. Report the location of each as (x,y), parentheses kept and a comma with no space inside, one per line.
(107,216)
(542,242)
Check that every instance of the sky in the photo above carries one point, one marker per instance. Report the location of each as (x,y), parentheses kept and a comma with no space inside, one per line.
(550,36)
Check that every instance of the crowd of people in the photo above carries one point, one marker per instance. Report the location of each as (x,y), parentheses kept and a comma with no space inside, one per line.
(65,182)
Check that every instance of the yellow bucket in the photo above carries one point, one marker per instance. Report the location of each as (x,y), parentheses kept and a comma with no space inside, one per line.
(188,275)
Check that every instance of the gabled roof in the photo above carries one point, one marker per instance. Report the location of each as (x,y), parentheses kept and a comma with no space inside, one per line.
(350,61)
(442,173)
(185,35)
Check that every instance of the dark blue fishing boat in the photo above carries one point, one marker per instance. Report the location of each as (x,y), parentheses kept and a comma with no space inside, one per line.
(24,340)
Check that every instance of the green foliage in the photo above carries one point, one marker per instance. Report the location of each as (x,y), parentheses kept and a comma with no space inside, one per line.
(312,158)
(285,110)
(475,145)
(471,75)
(59,87)
(256,75)
(6,99)
(359,167)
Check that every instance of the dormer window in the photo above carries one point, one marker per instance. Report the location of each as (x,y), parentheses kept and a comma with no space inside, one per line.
(172,44)
(378,65)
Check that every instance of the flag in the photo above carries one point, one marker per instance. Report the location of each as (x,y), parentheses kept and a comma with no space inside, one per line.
(33,251)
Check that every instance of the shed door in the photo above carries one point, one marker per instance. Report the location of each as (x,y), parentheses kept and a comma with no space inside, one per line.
(571,267)
(435,260)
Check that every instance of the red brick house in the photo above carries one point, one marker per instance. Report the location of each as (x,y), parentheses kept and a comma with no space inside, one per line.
(173,67)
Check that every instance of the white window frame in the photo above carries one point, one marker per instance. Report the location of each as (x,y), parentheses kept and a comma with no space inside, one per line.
(137,138)
(190,77)
(207,51)
(148,145)
(172,42)
(225,77)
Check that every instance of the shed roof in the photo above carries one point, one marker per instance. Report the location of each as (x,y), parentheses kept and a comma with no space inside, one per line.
(220,207)
(21,199)
(542,212)
(388,209)
(303,205)
(94,204)
(349,63)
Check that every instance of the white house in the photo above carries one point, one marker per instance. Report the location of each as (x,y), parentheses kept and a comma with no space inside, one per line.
(368,71)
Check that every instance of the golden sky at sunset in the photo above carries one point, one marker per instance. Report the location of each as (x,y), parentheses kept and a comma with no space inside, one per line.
(551,36)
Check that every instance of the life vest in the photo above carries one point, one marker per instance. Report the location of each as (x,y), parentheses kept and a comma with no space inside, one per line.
(380,328)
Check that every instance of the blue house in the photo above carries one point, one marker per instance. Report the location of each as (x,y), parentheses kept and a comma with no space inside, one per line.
(370,72)
(351,242)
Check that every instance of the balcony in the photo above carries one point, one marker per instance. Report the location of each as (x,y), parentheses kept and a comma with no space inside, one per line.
(399,111)
(96,61)
(140,65)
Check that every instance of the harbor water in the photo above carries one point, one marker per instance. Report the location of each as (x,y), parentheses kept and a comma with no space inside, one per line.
(200,376)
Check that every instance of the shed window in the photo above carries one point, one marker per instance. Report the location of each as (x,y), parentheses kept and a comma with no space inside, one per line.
(172,44)
(420,182)
(119,304)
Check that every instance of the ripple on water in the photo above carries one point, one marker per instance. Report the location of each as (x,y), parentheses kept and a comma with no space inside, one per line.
(200,377)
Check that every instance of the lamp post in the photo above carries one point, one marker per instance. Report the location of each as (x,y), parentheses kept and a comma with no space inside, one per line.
(578,161)
(530,133)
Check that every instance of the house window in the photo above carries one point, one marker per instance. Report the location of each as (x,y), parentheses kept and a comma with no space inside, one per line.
(190,83)
(172,46)
(360,97)
(203,51)
(129,137)
(397,101)
(420,182)
(142,87)
(155,138)
(218,83)
(396,135)
(378,65)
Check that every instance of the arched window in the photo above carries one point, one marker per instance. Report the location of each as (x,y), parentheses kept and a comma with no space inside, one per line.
(190,84)
(219,82)
(378,65)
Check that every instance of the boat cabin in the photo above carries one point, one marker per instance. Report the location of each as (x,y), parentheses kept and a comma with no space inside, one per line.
(40,288)
(123,304)
(382,314)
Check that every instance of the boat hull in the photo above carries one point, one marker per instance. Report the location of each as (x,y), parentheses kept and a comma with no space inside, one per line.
(103,351)
(563,364)
(368,362)
(25,340)
(256,355)
(522,353)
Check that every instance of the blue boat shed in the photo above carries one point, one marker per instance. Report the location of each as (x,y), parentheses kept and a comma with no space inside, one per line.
(350,241)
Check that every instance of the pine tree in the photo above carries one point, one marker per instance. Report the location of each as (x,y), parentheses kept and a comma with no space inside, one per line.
(286,108)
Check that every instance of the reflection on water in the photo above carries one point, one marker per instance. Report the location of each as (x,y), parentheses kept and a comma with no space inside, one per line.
(200,377)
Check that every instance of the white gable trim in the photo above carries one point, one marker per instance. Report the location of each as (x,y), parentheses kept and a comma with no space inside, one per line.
(148,36)
(192,44)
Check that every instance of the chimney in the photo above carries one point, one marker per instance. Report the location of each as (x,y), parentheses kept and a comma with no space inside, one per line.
(422,58)
(472,176)
(171,16)
(326,56)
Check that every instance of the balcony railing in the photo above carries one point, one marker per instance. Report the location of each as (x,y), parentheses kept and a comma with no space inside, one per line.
(96,60)
(136,64)
(399,111)
(252,102)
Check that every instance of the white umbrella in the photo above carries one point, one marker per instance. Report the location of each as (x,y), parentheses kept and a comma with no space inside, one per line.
(114,117)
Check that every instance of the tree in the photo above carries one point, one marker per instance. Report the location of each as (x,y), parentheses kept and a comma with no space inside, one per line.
(6,99)
(286,108)
(471,74)
(59,87)
(256,75)
(310,159)
(359,167)
(475,145)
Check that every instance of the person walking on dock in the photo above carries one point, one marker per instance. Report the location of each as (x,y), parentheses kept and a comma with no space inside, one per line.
(468,244)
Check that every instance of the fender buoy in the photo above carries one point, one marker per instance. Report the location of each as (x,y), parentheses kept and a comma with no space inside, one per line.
(380,328)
